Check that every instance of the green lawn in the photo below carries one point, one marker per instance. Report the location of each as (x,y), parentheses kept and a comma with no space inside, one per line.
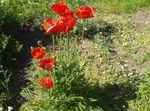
(120,6)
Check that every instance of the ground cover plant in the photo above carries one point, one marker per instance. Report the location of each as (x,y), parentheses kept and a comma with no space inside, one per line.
(62,55)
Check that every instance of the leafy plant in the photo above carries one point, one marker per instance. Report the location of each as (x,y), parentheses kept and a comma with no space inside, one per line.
(143,100)
(5,82)
(8,44)
(69,85)
(9,50)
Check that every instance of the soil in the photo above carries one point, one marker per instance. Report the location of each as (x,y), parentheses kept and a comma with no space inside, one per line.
(142,17)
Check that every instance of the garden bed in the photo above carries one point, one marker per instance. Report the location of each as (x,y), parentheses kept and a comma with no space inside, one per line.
(100,64)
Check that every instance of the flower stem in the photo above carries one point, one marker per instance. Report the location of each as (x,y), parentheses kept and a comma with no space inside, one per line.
(60,37)
(53,37)
(82,34)
(68,43)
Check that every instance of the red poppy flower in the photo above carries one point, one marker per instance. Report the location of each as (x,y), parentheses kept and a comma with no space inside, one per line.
(53,26)
(37,53)
(62,24)
(46,82)
(50,26)
(61,9)
(48,23)
(47,63)
(84,12)
(68,21)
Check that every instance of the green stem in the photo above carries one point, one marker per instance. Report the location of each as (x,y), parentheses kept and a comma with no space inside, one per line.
(82,35)
(68,42)
(76,41)
(53,44)
(60,37)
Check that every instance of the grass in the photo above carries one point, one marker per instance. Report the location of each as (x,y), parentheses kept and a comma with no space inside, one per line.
(120,6)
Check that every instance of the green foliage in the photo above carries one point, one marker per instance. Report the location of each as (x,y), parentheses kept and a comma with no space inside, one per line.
(4,86)
(19,12)
(3,97)
(76,3)
(14,11)
(142,103)
(9,50)
(7,44)
(4,83)
(102,41)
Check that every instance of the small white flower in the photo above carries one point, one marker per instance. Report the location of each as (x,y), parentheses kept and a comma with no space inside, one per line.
(2,3)
(96,47)
(1,108)
(136,72)
(10,108)
(118,63)
(125,44)
(104,77)
(122,67)
(130,74)
(122,35)
(126,61)
(29,2)
(101,33)
(146,22)
(125,65)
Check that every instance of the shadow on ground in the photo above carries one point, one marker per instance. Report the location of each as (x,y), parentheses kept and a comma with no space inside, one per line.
(28,36)
(102,35)
(100,28)
(111,97)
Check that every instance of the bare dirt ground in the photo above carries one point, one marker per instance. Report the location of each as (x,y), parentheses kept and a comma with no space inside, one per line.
(142,16)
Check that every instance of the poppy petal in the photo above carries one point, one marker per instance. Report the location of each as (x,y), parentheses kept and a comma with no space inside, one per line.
(46,82)
(37,53)
(61,9)
(47,63)
(84,12)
